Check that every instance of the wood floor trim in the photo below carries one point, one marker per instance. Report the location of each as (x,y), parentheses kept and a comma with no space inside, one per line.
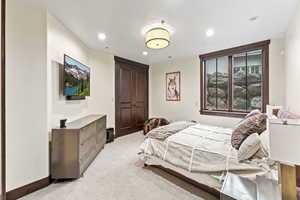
(27,189)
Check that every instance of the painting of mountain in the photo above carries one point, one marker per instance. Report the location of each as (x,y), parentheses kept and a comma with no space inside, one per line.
(76,78)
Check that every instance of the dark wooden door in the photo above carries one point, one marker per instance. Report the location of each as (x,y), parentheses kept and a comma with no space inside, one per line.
(131,96)
(140,100)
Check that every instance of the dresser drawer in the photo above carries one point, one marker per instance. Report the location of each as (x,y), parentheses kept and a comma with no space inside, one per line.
(100,124)
(87,146)
(87,132)
(100,135)
(87,159)
(103,140)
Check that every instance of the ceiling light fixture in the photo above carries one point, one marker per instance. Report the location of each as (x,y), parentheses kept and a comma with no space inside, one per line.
(101,36)
(145,53)
(210,32)
(157,37)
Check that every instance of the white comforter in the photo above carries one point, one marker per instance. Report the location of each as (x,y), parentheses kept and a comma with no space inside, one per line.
(204,149)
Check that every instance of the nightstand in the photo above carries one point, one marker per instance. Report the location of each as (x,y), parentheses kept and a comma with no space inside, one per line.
(238,188)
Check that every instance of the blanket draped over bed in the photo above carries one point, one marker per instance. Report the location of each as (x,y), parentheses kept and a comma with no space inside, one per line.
(204,149)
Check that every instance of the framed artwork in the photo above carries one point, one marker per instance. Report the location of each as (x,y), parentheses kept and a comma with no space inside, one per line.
(173,86)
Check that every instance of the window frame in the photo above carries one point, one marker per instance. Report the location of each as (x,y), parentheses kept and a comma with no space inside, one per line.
(264,46)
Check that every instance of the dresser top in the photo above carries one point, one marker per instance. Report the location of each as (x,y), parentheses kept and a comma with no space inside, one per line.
(82,122)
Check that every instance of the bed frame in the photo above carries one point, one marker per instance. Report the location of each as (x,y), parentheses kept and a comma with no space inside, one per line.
(201,186)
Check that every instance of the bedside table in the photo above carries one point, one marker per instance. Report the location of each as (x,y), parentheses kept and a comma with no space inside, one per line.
(238,188)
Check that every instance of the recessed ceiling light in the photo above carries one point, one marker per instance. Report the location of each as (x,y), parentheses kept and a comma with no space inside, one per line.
(101,36)
(145,53)
(210,32)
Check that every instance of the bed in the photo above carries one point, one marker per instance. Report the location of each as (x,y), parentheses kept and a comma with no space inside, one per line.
(202,154)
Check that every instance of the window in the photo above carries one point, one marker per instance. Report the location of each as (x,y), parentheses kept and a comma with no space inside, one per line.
(235,81)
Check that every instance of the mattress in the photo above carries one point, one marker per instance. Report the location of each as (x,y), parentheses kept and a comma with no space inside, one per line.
(205,153)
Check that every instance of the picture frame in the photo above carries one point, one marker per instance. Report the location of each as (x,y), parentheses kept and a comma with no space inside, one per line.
(173,87)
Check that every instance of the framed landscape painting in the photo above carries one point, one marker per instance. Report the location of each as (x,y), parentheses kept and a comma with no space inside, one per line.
(173,86)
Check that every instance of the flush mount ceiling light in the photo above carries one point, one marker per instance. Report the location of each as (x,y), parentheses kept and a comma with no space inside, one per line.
(157,37)
(145,53)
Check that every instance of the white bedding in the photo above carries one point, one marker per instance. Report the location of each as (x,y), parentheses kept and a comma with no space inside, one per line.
(204,149)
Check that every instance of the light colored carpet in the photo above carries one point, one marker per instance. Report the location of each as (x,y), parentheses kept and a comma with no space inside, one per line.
(117,174)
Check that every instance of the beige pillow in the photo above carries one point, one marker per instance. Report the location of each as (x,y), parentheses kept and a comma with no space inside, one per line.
(262,152)
(253,124)
(249,147)
(265,139)
(252,147)
(253,112)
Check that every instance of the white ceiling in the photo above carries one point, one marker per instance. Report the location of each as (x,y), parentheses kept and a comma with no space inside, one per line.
(123,20)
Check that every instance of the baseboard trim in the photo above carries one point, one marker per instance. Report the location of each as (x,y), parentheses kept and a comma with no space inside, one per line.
(27,189)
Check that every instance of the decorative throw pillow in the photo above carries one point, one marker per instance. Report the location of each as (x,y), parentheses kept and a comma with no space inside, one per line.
(249,147)
(163,132)
(254,124)
(262,152)
(252,147)
(284,114)
(154,123)
(253,112)
(265,140)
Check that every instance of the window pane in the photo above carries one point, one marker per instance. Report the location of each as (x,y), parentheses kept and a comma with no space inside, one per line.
(254,80)
(222,83)
(239,82)
(211,84)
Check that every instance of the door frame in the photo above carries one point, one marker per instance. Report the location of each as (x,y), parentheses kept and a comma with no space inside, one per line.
(137,66)
(3,101)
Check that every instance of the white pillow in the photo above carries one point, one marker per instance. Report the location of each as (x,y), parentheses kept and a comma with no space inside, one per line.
(265,139)
(251,146)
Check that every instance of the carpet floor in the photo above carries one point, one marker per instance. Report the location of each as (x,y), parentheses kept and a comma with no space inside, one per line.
(117,174)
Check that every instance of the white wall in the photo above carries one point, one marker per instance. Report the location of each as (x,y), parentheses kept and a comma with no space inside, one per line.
(36,43)
(103,85)
(26,136)
(62,41)
(277,72)
(189,106)
(292,52)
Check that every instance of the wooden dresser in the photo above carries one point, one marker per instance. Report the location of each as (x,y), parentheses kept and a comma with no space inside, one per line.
(76,146)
